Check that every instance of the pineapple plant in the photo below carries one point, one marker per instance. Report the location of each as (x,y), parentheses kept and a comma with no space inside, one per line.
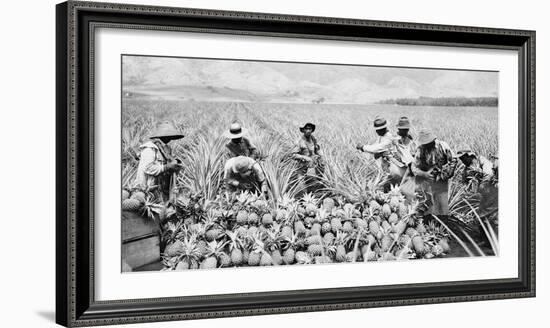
(236,246)
(310,204)
(215,255)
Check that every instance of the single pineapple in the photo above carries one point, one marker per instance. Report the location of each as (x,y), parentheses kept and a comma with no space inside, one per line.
(386,210)
(225,260)
(302,258)
(288,256)
(418,244)
(276,257)
(209,263)
(328,204)
(328,238)
(174,249)
(299,227)
(266,259)
(315,250)
(326,227)
(286,232)
(236,256)
(315,229)
(242,217)
(254,258)
(336,224)
(347,227)
(386,243)
(253,218)
(393,218)
(125,194)
(131,205)
(139,195)
(267,219)
(374,227)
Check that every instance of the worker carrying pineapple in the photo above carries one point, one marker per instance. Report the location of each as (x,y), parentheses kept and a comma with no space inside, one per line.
(242,173)
(480,175)
(433,166)
(385,152)
(157,167)
(239,145)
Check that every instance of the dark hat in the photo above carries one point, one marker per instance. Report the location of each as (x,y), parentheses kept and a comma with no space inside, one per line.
(167,129)
(308,126)
(425,137)
(464,150)
(380,123)
(403,123)
(235,131)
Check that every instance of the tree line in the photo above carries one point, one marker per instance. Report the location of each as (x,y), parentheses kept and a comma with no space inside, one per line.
(443,101)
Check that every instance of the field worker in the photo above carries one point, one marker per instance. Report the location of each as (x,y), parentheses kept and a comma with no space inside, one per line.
(479,174)
(476,167)
(242,173)
(406,148)
(157,168)
(433,166)
(385,152)
(306,151)
(238,144)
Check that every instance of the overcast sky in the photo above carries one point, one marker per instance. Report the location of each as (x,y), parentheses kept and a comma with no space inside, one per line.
(337,83)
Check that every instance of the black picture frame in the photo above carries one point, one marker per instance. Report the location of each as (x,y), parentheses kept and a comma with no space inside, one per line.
(75,303)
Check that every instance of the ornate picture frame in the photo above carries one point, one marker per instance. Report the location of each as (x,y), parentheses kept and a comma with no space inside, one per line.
(77,22)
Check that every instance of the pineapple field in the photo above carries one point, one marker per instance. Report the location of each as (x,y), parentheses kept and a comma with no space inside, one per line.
(345,218)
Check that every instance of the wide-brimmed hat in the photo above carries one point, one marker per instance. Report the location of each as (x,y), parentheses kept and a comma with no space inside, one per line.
(380,123)
(167,129)
(240,164)
(403,123)
(464,149)
(235,131)
(308,126)
(425,137)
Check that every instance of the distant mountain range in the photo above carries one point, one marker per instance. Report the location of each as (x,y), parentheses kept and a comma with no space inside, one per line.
(247,81)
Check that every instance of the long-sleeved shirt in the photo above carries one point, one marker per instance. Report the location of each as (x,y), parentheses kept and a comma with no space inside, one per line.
(151,171)
(384,150)
(254,177)
(406,149)
(242,148)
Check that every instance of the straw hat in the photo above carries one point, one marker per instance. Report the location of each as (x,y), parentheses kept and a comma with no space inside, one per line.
(425,137)
(380,123)
(308,126)
(403,123)
(235,131)
(167,129)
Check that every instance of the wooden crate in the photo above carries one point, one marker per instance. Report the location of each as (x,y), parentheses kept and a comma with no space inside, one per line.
(140,240)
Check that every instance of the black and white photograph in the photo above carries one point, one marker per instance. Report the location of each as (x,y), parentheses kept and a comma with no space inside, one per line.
(238,163)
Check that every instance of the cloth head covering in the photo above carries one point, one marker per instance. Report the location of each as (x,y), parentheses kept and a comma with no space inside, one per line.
(425,137)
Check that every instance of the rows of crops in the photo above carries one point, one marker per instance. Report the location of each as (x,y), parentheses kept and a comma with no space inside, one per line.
(344,221)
